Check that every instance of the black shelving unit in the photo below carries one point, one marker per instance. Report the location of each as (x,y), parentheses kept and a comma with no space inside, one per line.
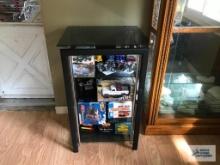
(86,49)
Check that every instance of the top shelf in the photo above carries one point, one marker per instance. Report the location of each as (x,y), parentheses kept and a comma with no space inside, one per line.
(99,75)
(94,37)
(105,66)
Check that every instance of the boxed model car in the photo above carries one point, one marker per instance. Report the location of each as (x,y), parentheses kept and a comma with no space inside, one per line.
(119,109)
(115,90)
(92,113)
(117,65)
(83,66)
(123,128)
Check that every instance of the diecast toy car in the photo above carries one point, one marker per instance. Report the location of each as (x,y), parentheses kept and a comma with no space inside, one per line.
(115,90)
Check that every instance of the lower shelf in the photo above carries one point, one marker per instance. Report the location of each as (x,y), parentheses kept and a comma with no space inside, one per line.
(103,137)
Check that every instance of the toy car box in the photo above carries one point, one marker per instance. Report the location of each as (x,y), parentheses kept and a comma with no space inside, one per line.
(115,90)
(119,109)
(92,113)
(83,66)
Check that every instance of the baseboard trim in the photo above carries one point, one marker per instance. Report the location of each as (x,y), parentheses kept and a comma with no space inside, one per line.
(61,110)
(10,103)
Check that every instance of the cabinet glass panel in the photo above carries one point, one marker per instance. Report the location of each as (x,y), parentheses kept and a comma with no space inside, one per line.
(106,87)
(198,13)
(20,11)
(192,82)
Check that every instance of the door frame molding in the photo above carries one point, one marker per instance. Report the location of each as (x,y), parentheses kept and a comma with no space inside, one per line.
(163,33)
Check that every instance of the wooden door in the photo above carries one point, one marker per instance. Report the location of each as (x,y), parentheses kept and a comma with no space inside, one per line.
(24,65)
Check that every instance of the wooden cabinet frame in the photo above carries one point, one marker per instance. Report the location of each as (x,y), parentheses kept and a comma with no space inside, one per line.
(172,125)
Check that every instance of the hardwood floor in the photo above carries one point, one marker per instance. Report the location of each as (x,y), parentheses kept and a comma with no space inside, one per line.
(43,138)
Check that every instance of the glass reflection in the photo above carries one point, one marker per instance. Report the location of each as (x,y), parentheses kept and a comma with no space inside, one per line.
(151,59)
(192,81)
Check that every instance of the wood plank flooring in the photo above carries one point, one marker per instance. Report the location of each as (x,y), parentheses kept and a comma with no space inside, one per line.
(43,138)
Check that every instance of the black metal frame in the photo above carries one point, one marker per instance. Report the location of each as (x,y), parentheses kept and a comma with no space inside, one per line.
(73,118)
(69,87)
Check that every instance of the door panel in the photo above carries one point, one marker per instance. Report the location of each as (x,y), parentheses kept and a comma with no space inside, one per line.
(24,66)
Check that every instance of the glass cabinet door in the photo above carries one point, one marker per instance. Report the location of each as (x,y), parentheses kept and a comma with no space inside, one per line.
(192,80)
(106,86)
(191,85)
(183,74)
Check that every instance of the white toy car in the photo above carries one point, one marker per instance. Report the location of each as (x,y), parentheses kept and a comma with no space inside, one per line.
(115,90)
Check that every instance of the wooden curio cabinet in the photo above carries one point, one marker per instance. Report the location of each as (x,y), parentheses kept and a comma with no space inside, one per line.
(183,75)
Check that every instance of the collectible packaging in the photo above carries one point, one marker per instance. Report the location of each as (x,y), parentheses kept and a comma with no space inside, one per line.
(115,90)
(92,113)
(86,89)
(106,128)
(123,128)
(83,66)
(87,128)
(119,109)
(117,65)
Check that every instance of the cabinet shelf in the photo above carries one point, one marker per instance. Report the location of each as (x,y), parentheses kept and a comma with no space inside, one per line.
(113,76)
(103,137)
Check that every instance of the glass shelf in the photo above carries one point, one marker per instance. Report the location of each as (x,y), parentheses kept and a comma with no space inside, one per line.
(106,67)
(114,75)
(103,137)
(106,132)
